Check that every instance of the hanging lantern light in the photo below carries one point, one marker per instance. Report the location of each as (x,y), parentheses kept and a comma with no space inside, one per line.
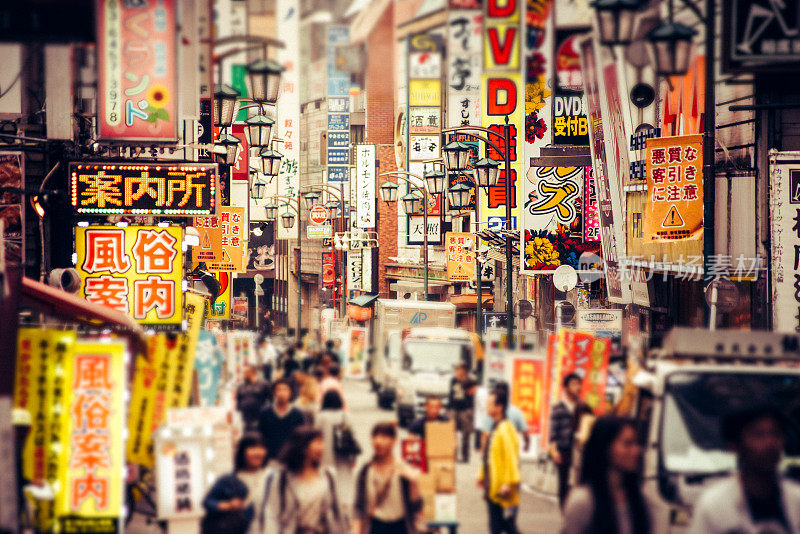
(270,161)
(615,20)
(332,205)
(411,203)
(670,44)
(389,191)
(311,198)
(287,219)
(264,81)
(226,104)
(258,189)
(456,155)
(271,211)
(258,129)
(226,149)
(435,181)
(459,195)
(486,172)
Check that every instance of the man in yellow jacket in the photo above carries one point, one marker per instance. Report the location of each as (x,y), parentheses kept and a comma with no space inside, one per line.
(499,475)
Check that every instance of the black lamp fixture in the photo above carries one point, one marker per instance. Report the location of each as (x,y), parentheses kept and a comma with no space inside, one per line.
(271,211)
(389,191)
(671,46)
(287,219)
(226,104)
(459,195)
(456,155)
(270,162)
(258,129)
(411,203)
(616,20)
(435,181)
(486,172)
(258,187)
(226,149)
(264,81)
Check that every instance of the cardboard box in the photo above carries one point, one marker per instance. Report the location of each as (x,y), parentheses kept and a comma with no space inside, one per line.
(443,471)
(445,507)
(427,491)
(440,439)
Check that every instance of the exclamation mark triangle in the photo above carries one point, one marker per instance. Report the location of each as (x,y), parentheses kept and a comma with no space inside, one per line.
(673,218)
(225,256)
(206,240)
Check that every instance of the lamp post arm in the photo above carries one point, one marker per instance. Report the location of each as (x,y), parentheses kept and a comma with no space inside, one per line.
(327,188)
(466,131)
(288,201)
(694,9)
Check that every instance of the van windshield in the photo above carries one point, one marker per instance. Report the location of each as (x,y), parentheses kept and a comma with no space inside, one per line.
(695,403)
(434,356)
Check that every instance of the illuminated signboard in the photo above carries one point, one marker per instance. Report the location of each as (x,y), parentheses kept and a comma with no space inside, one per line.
(144,188)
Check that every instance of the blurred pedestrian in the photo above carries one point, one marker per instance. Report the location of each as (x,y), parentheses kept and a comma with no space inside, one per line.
(565,418)
(387,495)
(231,502)
(251,396)
(432,412)
(279,420)
(288,363)
(269,357)
(609,498)
(303,499)
(462,404)
(513,414)
(307,400)
(267,325)
(500,473)
(330,350)
(330,380)
(332,421)
(757,499)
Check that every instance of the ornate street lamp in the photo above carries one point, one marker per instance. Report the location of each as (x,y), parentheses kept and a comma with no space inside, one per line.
(615,20)
(459,195)
(271,211)
(411,203)
(264,81)
(258,189)
(456,155)
(226,149)
(671,46)
(486,172)
(270,161)
(258,129)
(311,198)
(389,191)
(435,181)
(287,219)
(226,104)
(332,205)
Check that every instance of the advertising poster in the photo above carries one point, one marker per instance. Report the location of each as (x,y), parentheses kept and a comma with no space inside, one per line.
(527,390)
(674,208)
(181,469)
(142,404)
(460,251)
(222,239)
(357,351)
(137,86)
(328,269)
(208,364)
(183,353)
(365,186)
(570,124)
(221,309)
(464,63)
(355,267)
(338,157)
(587,356)
(136,270)
(287,14)
(11,212)
(92,472)
(784,184)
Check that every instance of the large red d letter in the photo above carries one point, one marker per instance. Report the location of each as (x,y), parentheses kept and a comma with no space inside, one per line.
(502,96)
(500,9)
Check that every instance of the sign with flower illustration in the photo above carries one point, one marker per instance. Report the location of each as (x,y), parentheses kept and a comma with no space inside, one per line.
(137,70)
(554,200)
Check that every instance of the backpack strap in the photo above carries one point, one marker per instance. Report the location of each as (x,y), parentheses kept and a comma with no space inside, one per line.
(332,487)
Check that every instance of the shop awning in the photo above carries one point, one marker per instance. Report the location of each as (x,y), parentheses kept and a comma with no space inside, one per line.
(66,306)
(363,301)
(470,301)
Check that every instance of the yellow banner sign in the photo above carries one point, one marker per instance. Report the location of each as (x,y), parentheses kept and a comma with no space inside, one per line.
(136,270)
(143,399)
(674,209)
(460,257)
(182,355)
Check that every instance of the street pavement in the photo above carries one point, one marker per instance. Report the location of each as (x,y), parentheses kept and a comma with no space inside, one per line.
(538,513)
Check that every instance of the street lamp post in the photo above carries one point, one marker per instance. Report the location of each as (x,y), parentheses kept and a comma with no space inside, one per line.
(287,220)
(458,158)
(338,194)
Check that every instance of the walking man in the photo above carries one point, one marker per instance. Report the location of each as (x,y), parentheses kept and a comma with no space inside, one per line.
(387,495)
(565,419)
(251,395)
(279,420)
(462,403)
(500,474)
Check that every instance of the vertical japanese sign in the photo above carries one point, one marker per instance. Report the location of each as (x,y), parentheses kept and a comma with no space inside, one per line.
(591,215)
(464,64)
(460,251)
(338,156)
(182,354)
(227,239)
(136,270)
(570,125)
(501,95)
(328,269)
(137,70)
(240,172)
(784,183)
(609,202)
(288,123)
(95,402)
(355,268)
(528,390)
(139,445)
(674,209)
(11,212)
(182,468)
(365,189)
(208,364)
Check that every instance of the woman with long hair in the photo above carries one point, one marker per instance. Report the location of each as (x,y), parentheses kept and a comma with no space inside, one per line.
(231,502)
(609,499)
(333,421)
(303,499)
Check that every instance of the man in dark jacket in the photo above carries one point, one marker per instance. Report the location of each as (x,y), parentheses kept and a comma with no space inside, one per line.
(433,412)
(462,404)
(251,396)
(277,422)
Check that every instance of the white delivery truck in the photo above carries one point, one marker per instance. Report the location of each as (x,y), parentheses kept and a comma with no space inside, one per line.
(391,317)
(685,390)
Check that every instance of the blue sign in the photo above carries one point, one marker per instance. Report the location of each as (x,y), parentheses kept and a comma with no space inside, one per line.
(498,222)
(338,86)
(338,156)
(338,173)
(338,139)
(339,121)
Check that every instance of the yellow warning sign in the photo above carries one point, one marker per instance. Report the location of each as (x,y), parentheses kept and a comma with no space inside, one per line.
(673,218)
(222,239)
(460,256)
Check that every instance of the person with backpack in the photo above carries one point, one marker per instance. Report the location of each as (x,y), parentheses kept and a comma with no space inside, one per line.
(231,502)
(341,447)
(387,494)
(302,497)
